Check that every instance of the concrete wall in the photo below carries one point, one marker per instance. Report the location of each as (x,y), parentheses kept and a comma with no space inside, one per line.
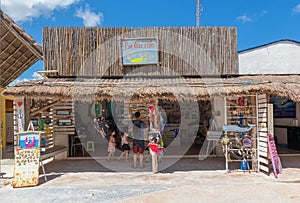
(219,117)
(219,112)
(278,58)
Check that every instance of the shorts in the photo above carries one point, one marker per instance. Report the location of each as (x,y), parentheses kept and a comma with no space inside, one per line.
(125,147)
(138,146)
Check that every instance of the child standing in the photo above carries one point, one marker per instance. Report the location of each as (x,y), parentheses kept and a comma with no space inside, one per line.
(125,147)
(111,146)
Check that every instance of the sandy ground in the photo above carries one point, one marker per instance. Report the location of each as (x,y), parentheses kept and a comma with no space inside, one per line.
(188,180)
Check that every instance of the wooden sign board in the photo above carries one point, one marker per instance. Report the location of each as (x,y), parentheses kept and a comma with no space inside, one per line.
(26,167)
(27,158)
(276,163)
(29,139)
(139,51)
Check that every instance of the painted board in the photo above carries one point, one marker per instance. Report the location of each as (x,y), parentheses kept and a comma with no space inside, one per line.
(139,51)
(26,167)
(20,115)
(276,163)
(29,139)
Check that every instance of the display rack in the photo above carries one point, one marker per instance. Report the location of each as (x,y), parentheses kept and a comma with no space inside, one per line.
(241,129)
(41,120)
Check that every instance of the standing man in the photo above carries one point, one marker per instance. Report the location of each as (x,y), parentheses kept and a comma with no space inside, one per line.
(138,139)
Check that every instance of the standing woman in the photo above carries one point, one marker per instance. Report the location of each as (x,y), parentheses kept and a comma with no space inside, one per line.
(111,146)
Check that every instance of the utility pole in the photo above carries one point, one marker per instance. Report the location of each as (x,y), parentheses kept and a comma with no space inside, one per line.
(198,12)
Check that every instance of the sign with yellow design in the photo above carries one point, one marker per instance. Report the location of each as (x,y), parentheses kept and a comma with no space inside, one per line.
(139,51)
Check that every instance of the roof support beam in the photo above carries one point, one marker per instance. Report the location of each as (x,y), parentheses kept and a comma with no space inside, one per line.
(37,53)
(29,62)
(10,44)
(16,61)
(3,36)
(11,55)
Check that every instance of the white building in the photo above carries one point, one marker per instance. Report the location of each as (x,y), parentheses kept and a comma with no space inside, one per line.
(280,57)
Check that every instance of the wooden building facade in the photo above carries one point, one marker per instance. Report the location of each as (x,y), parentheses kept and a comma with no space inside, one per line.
(96,52)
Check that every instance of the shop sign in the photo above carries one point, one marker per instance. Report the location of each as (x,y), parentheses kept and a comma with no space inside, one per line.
(276,163)
(20,114)
(29,139)
(26,167)
(27,158)
(139,51)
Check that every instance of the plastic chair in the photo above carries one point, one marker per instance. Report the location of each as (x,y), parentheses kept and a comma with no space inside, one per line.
(90,146)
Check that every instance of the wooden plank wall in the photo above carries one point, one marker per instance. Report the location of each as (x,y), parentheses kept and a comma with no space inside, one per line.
(185,50)
(61,132)
(263,160)
(49,137)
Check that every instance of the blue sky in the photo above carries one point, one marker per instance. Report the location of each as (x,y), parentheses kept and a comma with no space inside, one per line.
(258,22)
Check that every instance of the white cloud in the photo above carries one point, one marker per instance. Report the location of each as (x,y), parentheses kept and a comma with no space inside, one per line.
(296,9)
(26,10)
(90,19)
(251,18)
(35,75)
(244,18)
(18,80)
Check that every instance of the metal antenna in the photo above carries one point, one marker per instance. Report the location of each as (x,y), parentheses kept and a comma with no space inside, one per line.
(198,12)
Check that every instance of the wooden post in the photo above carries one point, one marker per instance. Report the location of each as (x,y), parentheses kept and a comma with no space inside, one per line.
(154,163)
(226,151)
(27,105)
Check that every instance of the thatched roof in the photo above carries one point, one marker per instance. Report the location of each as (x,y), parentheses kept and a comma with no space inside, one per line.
(18,50)
(165,88)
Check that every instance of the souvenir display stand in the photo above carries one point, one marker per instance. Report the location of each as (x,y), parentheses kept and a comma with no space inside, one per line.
(27,158)
(156,148)
(240,140)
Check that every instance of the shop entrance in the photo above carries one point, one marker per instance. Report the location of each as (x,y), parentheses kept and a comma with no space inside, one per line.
(286,125)
(184,129)
(186,124)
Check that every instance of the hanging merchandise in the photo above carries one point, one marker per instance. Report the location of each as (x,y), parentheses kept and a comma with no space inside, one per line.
(41,122)
(155,144)
(109,107)
(241,101)
(246,141)
(225,140)
(98,109)
(151,109)
(20,114)
(152,116)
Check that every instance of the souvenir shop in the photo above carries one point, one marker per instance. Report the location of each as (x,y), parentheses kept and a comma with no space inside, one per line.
(99,82)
